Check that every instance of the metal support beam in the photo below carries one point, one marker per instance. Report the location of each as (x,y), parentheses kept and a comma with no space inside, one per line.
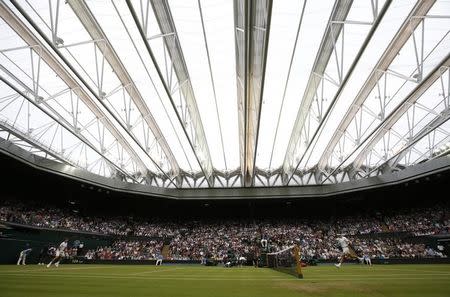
(439,165)
(72,83)
(21,29)
(397,114)
(46,148)
(166,24)
(61,120)
(391,164)
(251,56)
(392,118)
(402,36)
(310,140)
(91,25)
(19,134)
(335,25)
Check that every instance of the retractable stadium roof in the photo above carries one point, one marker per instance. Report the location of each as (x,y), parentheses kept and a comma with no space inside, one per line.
(227,94)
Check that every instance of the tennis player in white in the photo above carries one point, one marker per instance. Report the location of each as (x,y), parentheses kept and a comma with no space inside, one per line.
(344,243)
(60,251)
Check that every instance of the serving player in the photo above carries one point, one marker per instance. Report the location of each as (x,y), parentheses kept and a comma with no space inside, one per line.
(60,251)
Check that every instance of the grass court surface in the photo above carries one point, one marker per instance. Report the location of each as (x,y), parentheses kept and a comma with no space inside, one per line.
(198,281)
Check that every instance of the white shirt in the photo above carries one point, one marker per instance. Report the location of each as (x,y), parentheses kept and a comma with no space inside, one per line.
(63,246)
(343,241)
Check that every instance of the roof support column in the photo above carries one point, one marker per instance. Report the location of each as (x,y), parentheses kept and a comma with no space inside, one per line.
(252,28)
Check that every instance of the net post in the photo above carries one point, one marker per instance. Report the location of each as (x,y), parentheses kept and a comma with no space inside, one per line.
(297,252)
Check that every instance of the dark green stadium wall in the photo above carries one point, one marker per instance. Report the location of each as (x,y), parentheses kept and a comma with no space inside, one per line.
(15,238)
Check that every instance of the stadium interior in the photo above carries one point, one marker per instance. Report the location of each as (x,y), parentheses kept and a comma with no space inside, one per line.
(224,148)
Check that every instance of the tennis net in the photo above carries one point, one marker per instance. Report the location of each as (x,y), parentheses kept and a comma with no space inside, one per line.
(286,260)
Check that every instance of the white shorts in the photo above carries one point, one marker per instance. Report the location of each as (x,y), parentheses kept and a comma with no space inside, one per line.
(57,253)
(346,251)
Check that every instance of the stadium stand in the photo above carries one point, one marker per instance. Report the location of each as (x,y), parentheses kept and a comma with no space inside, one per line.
(189,239)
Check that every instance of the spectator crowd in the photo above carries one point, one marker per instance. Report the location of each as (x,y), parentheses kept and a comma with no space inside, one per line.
(127,250)
(193,240)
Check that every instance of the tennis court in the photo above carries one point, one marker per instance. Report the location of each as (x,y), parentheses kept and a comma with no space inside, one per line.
(184,280)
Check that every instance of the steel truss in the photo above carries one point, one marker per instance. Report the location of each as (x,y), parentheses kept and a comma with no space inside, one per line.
(378,80)
(57,133)
(187,111)
(252,28)
(57,45)
(397,146)
(99,37)
(314,109)
(75,126)
(380,147)
(37,53)
(33,145)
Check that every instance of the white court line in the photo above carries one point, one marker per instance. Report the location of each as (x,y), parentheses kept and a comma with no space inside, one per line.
(142,277)
(378,269)
(139,275)
(58,268)
(153,271)
(54,269)
(169,269)
(368,278)
(324,275)
(410,269)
